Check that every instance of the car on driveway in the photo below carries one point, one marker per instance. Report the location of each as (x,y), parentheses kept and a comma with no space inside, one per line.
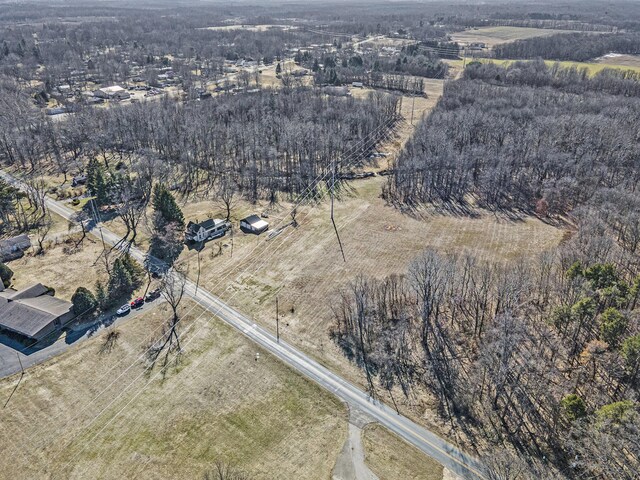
(137,303)
(124,309)
(152,295)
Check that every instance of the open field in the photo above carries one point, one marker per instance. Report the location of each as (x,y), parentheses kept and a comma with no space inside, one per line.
(631,62)
(219,403)
(250,28)
(592,67)
(303,267)
(390,458)
(492,36)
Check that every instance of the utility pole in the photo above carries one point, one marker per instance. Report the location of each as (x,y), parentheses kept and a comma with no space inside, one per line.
(413,102)
(333,184)
(464,57)
(277,322)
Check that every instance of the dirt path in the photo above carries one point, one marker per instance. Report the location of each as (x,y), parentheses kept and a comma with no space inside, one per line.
(350,464)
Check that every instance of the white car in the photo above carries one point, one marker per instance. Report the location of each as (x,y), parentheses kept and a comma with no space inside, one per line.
(124,309)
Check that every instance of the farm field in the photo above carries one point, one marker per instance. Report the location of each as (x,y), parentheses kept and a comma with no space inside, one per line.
(592,67)
(83,415)
(620,60)
(493,36)
(250,28)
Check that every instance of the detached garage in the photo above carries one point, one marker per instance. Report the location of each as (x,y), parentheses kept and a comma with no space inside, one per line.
(253,224)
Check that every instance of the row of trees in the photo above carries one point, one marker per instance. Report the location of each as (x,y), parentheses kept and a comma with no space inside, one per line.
(526,138)
(575,46)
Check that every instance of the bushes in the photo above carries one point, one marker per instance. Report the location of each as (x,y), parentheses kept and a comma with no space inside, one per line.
(6,274)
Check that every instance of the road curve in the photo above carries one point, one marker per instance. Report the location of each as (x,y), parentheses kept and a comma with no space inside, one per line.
(431,444)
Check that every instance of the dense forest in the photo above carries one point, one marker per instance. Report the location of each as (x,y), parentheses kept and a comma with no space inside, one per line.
(263,143)
(525,137)
(541,356)
(578,47)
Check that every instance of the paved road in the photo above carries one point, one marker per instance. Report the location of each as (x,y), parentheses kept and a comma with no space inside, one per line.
(447,454)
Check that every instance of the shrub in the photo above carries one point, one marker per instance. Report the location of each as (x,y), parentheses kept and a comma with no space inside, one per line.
(83,301)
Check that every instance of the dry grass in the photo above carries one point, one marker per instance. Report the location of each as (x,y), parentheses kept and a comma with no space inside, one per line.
(65,272)
(218,403)
(250,28)
(493,36)
(592,67)
(304,267)
(391,458)
(631,62)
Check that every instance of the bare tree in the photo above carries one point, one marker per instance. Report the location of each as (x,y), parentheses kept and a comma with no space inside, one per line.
(172,287)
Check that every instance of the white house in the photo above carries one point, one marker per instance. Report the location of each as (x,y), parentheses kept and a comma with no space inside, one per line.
(207,230)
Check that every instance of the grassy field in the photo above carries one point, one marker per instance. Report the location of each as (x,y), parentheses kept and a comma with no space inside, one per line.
(391,458)
(592,67)
(631,62)
(493,36)
(85,415)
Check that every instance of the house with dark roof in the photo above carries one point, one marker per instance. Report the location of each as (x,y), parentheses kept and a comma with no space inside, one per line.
(207,230)
(12,248)
(33,312)
(253,224)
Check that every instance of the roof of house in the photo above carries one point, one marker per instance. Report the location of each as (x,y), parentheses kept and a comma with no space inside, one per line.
(24,319)
(21,241)
(29,292)
(207,224)
(30,310)
(112,89)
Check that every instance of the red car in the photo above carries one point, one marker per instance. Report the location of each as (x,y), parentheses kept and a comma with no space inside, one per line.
(137,303)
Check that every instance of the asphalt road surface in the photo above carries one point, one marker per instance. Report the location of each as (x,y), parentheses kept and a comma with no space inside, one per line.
(447,454)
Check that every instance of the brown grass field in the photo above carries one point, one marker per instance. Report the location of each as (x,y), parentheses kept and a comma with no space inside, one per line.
(493,36)
(83,415)
(619,60)
(391,458)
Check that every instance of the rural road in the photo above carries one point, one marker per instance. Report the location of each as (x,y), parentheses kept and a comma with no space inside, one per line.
(439,449)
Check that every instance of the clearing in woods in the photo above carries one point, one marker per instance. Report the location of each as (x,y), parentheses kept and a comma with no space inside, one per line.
(218,404)
(492,36)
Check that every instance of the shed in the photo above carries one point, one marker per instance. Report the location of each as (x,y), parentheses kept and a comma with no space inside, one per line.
(253,224)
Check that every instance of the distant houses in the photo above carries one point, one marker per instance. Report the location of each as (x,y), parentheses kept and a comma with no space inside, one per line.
(253,224)
(33,313)
(207,230)
(12,248)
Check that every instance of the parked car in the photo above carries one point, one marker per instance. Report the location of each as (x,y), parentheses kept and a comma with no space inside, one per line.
(137,303)
(124,309)
(152,295)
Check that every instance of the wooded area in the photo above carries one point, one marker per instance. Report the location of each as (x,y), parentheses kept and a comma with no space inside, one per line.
(577,47)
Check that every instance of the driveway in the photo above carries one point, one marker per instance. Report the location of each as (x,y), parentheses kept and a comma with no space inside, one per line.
(12,352)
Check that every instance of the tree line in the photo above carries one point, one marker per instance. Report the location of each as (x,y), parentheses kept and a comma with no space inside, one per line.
(577,47)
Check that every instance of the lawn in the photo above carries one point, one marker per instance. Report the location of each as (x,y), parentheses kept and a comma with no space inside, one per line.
(99,415)
(391,458)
